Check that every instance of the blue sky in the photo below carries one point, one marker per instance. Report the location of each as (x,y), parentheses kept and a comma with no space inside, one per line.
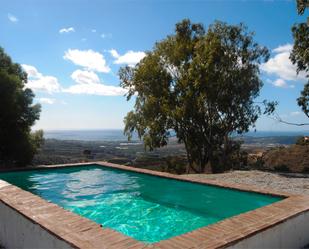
(72,51)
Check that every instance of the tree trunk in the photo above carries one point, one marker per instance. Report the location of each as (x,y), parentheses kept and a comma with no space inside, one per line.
(190,160)
(226,148)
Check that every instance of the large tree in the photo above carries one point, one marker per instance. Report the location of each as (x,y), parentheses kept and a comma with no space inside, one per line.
(300,53)
(17,115)
(200,85)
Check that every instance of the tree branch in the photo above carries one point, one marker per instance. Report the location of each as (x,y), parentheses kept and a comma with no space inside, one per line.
(279,119)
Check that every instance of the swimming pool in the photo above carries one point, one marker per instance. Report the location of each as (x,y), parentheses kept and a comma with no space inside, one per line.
(145,207)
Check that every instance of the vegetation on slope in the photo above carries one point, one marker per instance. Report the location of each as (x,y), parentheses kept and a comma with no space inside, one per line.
(172,158)
(294,158)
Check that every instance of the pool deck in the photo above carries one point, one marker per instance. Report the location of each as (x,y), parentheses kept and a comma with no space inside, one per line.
(293,183)
(81,232)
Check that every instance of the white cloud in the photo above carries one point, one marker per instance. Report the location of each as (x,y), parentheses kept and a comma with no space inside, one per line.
(93,30)
(85,77)
(89,59)
(281,66)
(51,101)
(295,113)
(31,71)
(66,30)
(95,89)
(114,53)
(107,35)
(88,82)
(280,83)
(12,18)
(48,84)
(290,115)
(283,48)
(47,101)
(40,82)
(130,57)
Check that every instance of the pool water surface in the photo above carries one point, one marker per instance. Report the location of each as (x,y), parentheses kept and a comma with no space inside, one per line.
(147,208)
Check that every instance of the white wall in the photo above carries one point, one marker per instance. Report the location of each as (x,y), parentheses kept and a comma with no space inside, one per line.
(16,231)
(293,233)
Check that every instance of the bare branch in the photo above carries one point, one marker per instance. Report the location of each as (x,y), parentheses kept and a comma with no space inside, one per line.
(279,119)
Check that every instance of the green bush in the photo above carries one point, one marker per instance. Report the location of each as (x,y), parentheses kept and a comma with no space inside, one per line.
(306,169)
(175,165)
(282,168)
(302,141)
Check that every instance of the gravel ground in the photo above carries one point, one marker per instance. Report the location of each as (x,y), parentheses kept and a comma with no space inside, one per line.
(286,182)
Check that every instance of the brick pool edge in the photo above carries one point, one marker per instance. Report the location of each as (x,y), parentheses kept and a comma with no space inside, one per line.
(80,232)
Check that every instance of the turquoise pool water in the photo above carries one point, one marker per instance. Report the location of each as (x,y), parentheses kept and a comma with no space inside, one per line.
(144,207)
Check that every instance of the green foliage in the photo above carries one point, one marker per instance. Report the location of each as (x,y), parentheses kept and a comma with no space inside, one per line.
(306,170)
(300,54)
(202,85)
(37,139)
(231,158)
(302,141)
(258,164)
(302,5)
(175,165)
(17,115)
(282,168)
(303,100)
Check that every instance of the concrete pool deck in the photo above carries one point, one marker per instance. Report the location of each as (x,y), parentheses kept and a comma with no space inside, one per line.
(30,221)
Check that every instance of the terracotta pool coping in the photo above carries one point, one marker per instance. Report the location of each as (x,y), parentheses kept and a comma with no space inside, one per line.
(81,232)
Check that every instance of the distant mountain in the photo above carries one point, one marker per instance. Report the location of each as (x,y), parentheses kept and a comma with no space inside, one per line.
(259,137)
(271,140)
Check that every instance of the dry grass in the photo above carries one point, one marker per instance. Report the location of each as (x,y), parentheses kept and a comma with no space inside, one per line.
(294,158)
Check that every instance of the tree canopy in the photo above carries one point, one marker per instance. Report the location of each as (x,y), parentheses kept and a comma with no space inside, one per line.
(17,115)
(199,84)
(301,6)
(300,54)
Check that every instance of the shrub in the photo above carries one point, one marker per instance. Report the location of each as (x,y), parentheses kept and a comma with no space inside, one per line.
(306,169)
(302,141)
(282,168)
(175,165)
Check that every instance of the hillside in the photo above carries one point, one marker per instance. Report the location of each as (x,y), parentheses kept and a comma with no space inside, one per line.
(294,158)
(270,154)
